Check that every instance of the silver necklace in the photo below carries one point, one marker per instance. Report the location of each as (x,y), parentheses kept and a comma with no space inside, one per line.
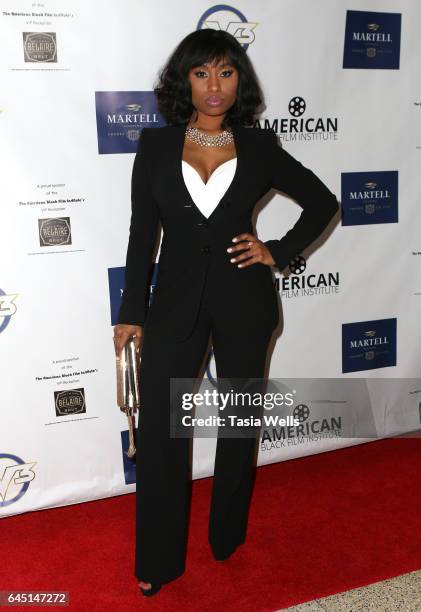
(209,140)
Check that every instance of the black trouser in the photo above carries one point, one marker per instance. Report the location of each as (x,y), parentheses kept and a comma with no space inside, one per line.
(163,462)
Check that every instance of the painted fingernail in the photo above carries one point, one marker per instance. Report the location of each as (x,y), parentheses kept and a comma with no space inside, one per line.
(229,249)
(232,259)
(234,239)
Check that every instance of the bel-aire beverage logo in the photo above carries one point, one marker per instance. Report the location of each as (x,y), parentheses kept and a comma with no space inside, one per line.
(40,47)
(367,345)
(54,231)
(372,40)
(120,117)
(70,401)
(369,197)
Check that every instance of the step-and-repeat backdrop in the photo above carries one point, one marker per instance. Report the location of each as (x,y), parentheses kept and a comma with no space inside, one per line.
(341,82)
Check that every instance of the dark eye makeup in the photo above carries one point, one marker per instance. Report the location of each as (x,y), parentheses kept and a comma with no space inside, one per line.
(199,71)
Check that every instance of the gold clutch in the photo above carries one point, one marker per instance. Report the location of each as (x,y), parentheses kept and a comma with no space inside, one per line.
(128,399)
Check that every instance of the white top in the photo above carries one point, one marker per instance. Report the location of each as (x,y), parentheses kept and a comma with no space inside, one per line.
(207,195)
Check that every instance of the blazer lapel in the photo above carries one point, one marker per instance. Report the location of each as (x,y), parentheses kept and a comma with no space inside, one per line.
(183,193)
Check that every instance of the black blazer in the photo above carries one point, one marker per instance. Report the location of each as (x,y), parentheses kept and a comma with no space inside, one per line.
(191,242)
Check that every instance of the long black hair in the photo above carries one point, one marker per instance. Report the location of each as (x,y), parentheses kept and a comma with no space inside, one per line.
(173,89)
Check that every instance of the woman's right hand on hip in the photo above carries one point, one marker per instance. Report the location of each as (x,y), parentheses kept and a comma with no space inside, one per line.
(123,332)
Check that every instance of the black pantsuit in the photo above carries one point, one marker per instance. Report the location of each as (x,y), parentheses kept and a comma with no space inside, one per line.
(198,292)
(163,469)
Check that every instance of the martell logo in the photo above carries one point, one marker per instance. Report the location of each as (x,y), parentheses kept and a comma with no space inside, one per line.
(229,19)
(116,282)
(372,35)
(70,401)
(298,284)
(370,339)
(121,116)
(115,286)
(369,197)
(54,231)
(367,345)
(40,46)
(370,193)
(7,308)
(131,116)
(372,40)
(15,476)
(129,463)
(298,127)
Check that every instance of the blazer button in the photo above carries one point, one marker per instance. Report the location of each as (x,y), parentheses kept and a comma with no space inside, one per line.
(205,249)
(204,224)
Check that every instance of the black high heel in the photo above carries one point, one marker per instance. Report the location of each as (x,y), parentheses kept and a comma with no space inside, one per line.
(223,557)
(154,588)
(226,556)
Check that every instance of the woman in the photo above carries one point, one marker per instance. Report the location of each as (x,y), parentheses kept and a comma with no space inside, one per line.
(200,176)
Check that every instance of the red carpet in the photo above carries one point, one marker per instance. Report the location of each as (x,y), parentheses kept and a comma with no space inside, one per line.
(318,525)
